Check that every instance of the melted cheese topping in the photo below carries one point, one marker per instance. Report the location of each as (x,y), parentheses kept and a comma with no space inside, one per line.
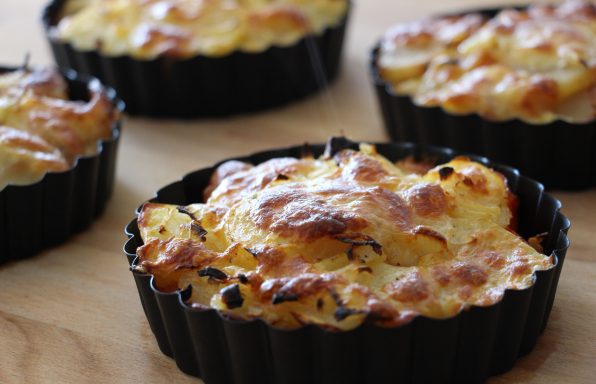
(537,65)
(331,241)
(184,28)
(41,130)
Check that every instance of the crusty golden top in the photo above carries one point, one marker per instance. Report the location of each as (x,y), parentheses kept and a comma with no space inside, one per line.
(330,241)
(537,64)
(41,130)
(184,28)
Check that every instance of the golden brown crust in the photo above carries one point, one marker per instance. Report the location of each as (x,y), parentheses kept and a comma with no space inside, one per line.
(537,64)
(411,288)
(53,130)
(428,199)
(146,29)
(25,157)
(292,212)
(329,245)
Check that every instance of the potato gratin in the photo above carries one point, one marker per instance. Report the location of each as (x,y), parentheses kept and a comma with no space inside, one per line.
(146,29)
(335,240)
(41,130)
(537,64)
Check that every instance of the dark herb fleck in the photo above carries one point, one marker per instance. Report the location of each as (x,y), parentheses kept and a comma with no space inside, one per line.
(185,211)
(342,312)
(320,304)
(213,273)
(445,172)
(368,241)
(198,230)
(162,229)
(242,278)
(350,253)
(232,297)
(279,298)
(365,269)
(281,176)
(336,298)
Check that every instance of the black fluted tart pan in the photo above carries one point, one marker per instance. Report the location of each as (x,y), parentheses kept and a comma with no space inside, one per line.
(46,213)
(559,154)
(477,343)
(204,86)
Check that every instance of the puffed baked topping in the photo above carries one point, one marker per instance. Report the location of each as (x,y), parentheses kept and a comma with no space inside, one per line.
(537,64)
(333,240)
(41,130)
(146,29)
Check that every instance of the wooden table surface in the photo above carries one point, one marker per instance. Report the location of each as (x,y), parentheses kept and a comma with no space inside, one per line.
(72,314)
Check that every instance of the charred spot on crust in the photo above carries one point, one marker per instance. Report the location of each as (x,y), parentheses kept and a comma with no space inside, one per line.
(232,297)
(365,269)
(198,230)
(213,273)
(279,298)
(185,211)
(445,172)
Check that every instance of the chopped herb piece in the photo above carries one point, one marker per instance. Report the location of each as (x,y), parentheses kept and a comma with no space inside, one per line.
(279,298)
(213,273)
(185,211)
(320,304)
(445,172)
(342,312)
(368,241)
(232,297)
(242,278)
(198,230)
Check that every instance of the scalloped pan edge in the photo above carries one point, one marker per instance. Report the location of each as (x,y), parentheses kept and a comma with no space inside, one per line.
(48,212)
(467,348)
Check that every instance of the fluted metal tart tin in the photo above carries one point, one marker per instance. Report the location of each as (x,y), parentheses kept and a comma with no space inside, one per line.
(204,86)
(467,348)
(560,155)
(48,212)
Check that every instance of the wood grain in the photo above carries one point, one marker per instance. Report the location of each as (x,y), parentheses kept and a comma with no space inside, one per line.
(72,313)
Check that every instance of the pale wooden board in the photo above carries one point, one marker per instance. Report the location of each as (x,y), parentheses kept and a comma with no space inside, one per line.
(72,314)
